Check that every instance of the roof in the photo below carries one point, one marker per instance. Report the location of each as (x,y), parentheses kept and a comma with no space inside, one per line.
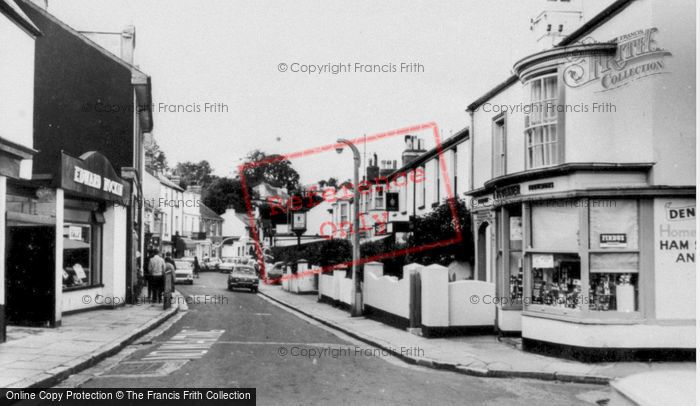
(600,18)
(167,182)
(448,143)
(12,11)
(208,213)
(135,72)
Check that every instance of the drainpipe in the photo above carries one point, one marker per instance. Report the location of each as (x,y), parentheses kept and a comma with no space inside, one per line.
(471,149)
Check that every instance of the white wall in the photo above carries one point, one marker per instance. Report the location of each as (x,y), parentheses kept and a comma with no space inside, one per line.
(387,293)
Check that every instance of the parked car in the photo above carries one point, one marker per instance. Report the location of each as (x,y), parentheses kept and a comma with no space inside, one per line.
(274,271)
(227,265)
(244,277)
(211,264)
(184,271)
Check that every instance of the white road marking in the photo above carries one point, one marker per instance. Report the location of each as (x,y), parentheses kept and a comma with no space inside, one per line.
(187,344)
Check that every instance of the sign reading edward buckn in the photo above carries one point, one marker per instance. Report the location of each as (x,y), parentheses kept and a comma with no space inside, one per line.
(638,55)
(92,176)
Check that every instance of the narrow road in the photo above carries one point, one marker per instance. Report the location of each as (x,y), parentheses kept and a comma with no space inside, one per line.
(243,340)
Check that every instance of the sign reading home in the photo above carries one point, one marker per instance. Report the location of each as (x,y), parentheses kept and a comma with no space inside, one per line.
(92,175)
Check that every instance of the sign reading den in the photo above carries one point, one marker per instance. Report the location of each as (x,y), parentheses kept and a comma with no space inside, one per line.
(92,175)
(674,257)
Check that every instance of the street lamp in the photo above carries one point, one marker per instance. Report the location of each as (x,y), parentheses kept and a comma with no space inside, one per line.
(356,307)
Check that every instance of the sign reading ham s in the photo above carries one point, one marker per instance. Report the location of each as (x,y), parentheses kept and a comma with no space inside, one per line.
(93,176)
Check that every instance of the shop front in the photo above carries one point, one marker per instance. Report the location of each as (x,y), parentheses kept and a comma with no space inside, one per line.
(66,241)
(594,273)
(93,231)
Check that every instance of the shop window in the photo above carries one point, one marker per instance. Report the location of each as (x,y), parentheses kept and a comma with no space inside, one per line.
(499,146)
(81,255)
(614,257)
(542,140)
(515,260)
(556,281)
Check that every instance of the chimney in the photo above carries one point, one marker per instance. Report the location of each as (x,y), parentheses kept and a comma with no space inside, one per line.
(556,20)
(372,169)
(128,44)
(414,149)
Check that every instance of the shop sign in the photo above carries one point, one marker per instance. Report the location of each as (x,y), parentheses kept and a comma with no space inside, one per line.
(93,176)
(613,240)
(506,192)
(675,233)
(638,55)
(675,245)
(392,201)
(543,261)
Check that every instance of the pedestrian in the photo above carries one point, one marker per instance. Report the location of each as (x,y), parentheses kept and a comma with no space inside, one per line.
(156,268)
(196,267)
(169,260)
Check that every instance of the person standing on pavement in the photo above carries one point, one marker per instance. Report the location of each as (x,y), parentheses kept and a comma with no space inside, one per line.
(169,260)
(196,267)
(156,268)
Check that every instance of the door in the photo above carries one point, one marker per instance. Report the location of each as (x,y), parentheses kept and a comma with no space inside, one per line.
(30,275)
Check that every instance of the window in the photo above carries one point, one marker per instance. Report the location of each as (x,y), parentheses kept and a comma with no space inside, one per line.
(379,198)
(436,179)
(608,282)
(541,123)
(343,213)
(81,255)
(455,192)
(614,226)
(499,146)
(421,192)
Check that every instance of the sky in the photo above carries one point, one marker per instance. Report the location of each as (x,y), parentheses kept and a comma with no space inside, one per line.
(231,51)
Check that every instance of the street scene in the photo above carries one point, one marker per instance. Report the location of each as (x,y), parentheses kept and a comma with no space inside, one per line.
(486,203)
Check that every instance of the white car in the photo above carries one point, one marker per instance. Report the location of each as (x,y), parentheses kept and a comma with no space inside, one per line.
(184,272)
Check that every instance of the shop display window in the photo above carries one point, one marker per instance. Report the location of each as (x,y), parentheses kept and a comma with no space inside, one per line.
(515,246)
(556,281)
(613,280)
(80,255)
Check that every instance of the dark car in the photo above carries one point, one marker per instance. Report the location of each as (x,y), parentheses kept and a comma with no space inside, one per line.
(243,277)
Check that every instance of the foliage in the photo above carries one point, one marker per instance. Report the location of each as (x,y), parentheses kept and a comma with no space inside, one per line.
(440,225)
(273,169)
(194,173)
(321,253)
(224,193)
(155,158)
(393,264)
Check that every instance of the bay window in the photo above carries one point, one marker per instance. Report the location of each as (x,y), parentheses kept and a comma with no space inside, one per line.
(541,135)
(583,256)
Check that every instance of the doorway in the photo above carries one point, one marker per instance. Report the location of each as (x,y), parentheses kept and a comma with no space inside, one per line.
(30,275)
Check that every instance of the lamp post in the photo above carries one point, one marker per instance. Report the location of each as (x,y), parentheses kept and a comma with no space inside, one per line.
(356,308)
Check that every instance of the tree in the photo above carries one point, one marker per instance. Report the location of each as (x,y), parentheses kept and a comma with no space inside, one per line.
(273,169)
(155,158)
(194,173)
(224,193)
(441,225)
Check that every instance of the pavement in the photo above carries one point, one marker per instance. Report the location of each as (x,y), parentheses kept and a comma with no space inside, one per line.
(42,357)
(483,355)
